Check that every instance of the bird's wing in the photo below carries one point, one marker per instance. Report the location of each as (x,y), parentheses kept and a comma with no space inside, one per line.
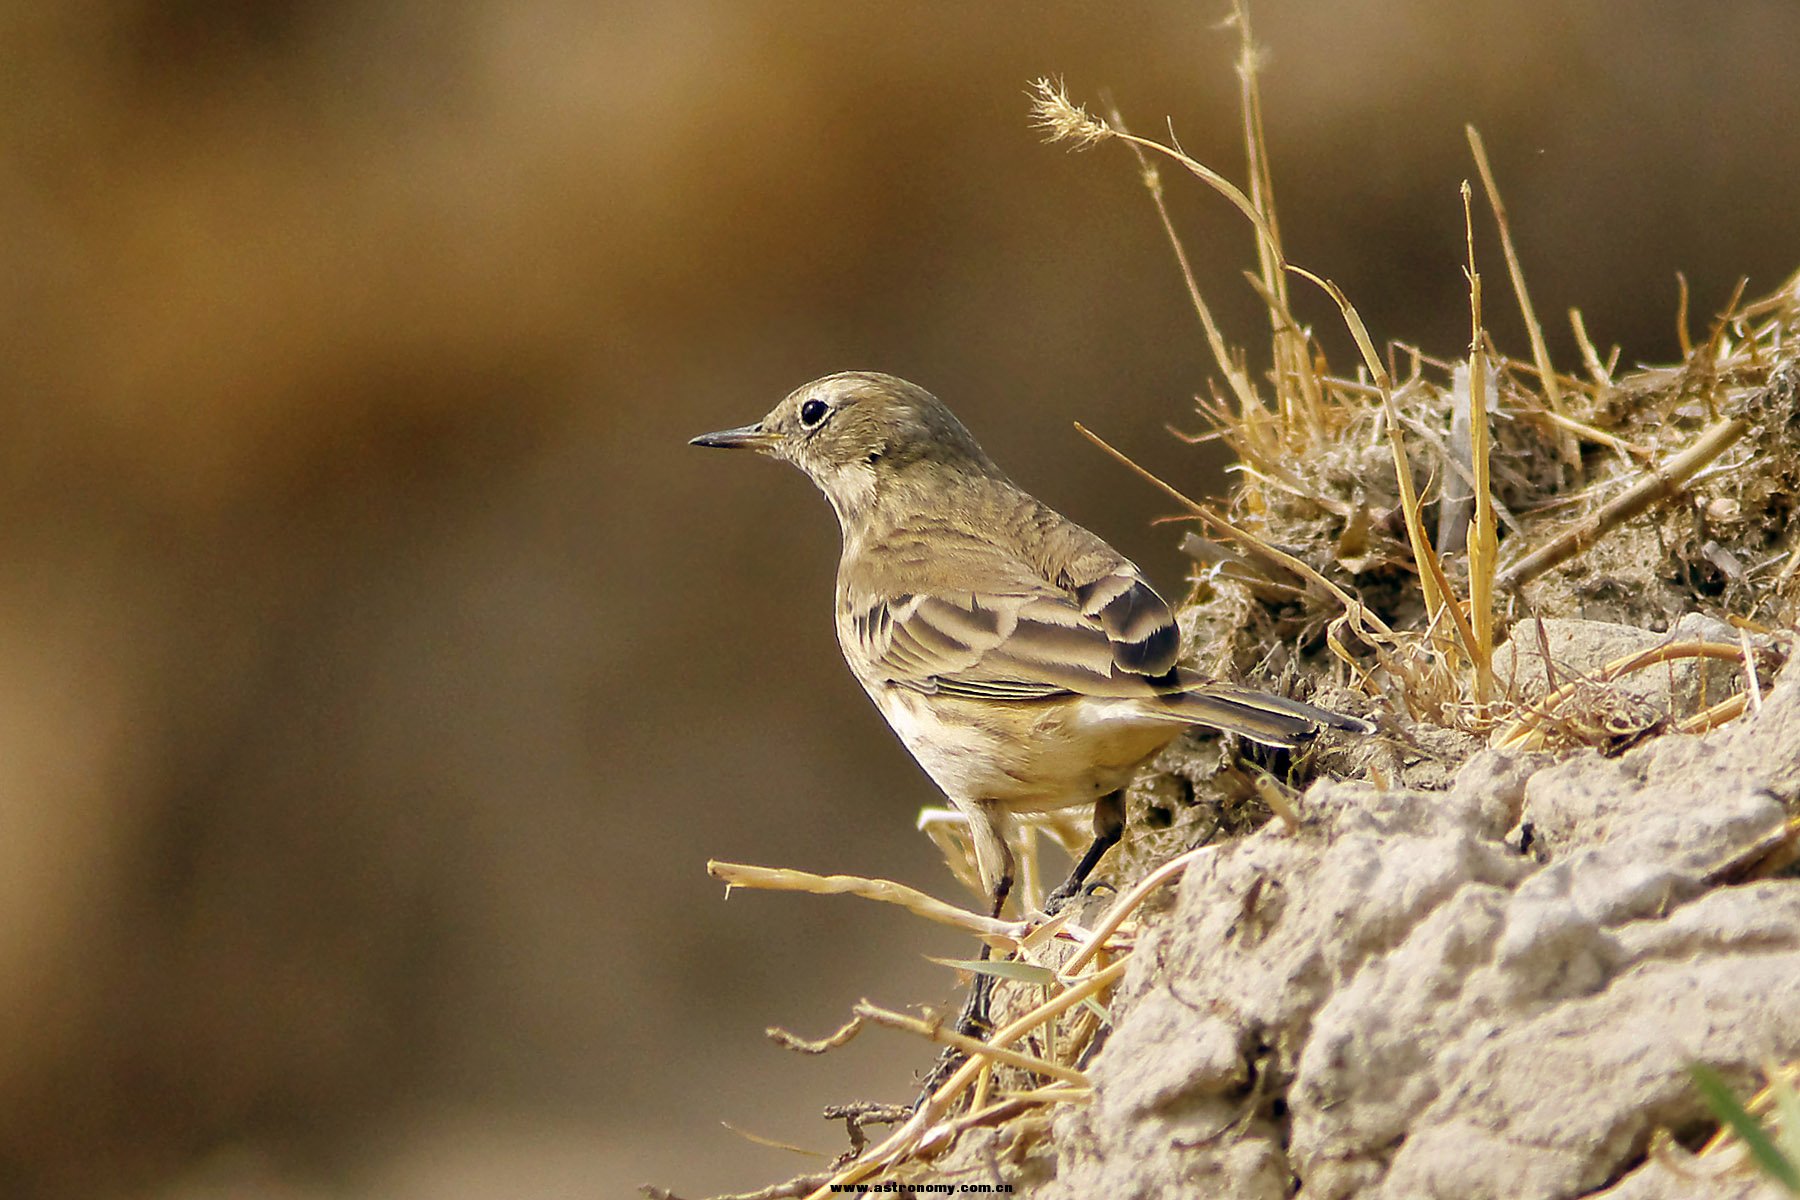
(1111,636)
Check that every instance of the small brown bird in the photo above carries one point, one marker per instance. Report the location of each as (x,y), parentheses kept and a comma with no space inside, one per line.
(1024,662)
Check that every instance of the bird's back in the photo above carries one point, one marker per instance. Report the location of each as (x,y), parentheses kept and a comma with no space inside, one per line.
(982,533)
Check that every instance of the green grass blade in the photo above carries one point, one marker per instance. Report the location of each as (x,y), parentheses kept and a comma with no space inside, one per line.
(1725,1106)
(1787,1109)
(1002,968)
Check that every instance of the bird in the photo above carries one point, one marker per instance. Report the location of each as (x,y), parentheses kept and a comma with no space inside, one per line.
(1026,664)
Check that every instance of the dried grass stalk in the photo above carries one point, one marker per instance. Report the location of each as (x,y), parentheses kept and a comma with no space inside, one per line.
(1000,934)
(1484,544)
(935,1031)
(1658,484)
(1528,730)
(1540,353)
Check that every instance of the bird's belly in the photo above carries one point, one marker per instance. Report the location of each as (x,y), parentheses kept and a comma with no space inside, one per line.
(1028,756)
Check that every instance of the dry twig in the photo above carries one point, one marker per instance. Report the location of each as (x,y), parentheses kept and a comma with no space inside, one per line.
(1658,484)
(1001,934)
(935,1031)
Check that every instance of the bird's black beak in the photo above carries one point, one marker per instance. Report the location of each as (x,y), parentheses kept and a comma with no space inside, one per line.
(747,437)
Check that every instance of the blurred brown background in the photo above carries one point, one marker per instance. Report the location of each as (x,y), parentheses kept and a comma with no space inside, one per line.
(378,668)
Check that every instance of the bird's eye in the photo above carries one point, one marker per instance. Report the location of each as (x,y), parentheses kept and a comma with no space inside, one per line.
(812,412)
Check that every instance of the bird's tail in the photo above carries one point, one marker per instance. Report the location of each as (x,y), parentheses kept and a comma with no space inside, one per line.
(1259,716)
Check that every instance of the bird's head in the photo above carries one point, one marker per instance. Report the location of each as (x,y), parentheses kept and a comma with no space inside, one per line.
(856,431)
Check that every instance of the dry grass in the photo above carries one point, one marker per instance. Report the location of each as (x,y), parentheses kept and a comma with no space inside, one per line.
(1327,541)
(1072,971)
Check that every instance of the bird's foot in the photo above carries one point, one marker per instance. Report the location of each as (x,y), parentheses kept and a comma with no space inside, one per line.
(1070,890)
(946,1066)
(973,1022)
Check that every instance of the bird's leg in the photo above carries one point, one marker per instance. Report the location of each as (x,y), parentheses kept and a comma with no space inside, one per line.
(995,860)
(976,1019)
(989,827)
(1109,827)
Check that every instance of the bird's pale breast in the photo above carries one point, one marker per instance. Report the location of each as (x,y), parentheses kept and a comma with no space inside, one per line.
(1027,756)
